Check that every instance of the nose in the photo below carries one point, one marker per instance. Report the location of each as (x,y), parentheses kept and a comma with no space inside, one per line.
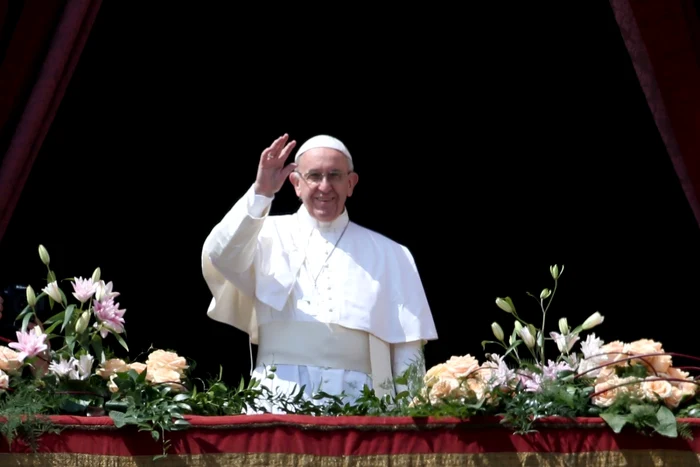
(325,186)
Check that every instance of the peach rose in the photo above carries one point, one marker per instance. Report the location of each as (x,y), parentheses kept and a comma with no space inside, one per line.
(658,364)
(164,359)
(436,372)
(111,367)
(4,380)
(655,389)
(162,375)
(613,387)
(8,359)
(461,367)
(674,399)
(613,351)
(442,389)
(138,367)
(605,374)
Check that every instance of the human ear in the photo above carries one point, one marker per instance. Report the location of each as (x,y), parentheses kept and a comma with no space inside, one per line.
(294,180)
(353,178)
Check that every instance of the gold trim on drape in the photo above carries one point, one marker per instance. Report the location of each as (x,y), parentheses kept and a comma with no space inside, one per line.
(594,459)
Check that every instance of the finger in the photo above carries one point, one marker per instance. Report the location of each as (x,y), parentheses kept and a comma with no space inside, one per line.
(279,143)
(273,150)
(287,150)
(288,170)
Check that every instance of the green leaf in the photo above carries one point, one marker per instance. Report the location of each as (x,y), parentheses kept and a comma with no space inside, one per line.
(25,311)
(69,314)
(121,341)
(181,397)
(116,406)
(70,343)
(25,321)
(512,347)
(64,300)
(96,343)
(119,418)
(50,329)
(666,422)
(58,317)
(615,421)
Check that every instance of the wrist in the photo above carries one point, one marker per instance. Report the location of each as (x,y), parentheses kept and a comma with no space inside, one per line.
(258,190)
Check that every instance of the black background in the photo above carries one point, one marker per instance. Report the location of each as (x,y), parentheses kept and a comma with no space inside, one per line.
(492,141)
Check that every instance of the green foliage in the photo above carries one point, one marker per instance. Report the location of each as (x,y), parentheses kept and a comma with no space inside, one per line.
(158,396)
(24,411)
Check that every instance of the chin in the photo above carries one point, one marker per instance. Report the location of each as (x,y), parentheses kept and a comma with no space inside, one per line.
(325,216)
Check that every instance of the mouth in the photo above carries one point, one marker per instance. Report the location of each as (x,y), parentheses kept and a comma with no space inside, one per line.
(324,200)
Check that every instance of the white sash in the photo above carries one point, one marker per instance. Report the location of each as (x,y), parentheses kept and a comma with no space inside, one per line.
(327,345)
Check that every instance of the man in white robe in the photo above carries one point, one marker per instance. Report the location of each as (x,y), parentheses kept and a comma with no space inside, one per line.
(332,305)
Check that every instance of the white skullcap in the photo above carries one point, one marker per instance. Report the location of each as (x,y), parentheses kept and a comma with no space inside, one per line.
(323,141)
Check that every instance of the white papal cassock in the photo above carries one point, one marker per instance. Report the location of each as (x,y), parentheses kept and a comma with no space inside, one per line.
(330,305)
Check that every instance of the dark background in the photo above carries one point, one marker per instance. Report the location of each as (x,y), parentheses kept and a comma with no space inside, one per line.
(492,142)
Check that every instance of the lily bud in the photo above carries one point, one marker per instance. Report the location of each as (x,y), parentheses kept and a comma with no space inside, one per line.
(517,326)
(31,297)
(563,326)
(96,276)
(504,305)
(554,270)
(497,331)
(527,337)
(44,255)
(99,290)
(533,331)
(545,293)
(82,323)
(53,291)
(594,320)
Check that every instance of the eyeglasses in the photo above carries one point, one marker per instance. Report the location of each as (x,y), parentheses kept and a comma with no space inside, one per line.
(315,178)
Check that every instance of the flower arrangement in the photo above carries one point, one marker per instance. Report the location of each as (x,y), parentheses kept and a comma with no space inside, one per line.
(65,365)
(61,365)
(624,383)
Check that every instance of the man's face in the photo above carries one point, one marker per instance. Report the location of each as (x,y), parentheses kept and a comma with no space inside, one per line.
(323,182)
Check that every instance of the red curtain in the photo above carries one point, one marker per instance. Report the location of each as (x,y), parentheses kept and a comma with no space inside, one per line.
(663,41)
(40,45)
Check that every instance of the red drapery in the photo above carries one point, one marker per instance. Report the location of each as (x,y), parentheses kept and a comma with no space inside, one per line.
(355,441)
(40,45)
(663,41)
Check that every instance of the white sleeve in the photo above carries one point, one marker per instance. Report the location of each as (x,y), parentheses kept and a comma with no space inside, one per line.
(231,245)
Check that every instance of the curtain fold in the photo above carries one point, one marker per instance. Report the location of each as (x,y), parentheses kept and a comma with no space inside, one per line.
(41,44)
(663,41)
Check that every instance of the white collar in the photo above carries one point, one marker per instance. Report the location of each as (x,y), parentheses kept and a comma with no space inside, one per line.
(336,225)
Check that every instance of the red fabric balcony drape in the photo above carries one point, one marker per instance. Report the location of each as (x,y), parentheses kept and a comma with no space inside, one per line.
(40,44)
(663,41)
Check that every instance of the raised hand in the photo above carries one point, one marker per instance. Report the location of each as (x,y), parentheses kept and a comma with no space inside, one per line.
(271,170)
